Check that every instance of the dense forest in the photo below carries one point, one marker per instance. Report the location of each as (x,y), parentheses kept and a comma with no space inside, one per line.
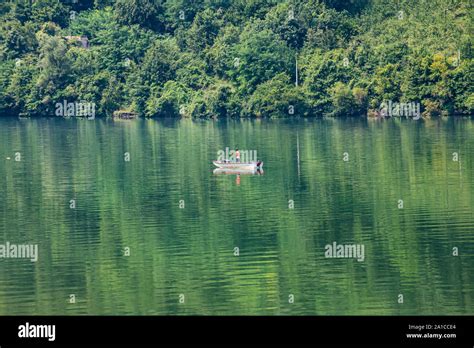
(243,58)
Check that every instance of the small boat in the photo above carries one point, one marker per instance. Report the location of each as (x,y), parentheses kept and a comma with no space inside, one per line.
(239,165)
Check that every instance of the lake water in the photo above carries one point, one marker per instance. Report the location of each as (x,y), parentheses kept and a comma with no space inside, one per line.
(393,186)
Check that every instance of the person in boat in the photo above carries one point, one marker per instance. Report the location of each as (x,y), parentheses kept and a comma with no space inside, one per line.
(237,155)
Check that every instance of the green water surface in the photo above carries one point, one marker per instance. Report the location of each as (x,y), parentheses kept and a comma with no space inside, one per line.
(190,250)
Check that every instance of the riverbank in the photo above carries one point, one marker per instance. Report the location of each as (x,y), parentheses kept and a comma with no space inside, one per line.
(266,60)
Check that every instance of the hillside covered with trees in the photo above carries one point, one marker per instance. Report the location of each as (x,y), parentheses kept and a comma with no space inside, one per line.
(236,57)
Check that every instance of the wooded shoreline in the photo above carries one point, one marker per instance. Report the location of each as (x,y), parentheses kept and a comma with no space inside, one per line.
(240,59)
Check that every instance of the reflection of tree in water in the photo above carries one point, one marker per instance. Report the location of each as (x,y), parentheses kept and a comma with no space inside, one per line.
(172,251)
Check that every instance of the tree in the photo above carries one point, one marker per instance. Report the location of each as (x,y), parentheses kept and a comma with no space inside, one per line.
(231,57)
(159,66)
(203,31)
(50,10)
(321,72)
(347,101)
(261,55)
(17,38)
(146,13)
(112,97)
(277,97)
(289,25)
(19,95)
(353,6)
(53,61)
(170,100)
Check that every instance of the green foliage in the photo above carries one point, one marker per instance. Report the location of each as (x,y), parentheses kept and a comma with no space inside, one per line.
(352,6)
(277,97)
(159,66)
(170,100)
(49,11)
(4,8)
(19,90)
(236,58)
(320,74)
(203,31)
(112,97)
(20,10)
(103,3)
(282,20)
(347,101)
(261,55)
(53,61)
(17,38)
(146,13)
(387,82)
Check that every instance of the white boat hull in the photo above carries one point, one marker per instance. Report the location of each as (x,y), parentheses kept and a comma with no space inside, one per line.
(238,165)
